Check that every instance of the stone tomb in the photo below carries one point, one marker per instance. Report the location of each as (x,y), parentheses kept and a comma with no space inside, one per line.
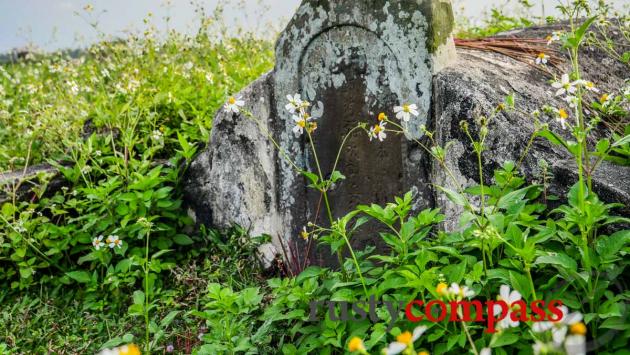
(351,60)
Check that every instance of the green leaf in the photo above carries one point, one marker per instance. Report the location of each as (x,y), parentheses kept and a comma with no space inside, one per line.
(553,138)
(623,141)
(336,176)
(455,197)
(312,177)
(559,259)
(513,197)
(166,321)
(182,239)
(343,294)
(138,297)
(617,323)
(311,271)
(579,34)
(503,339)
(79,276)
(609,246)
(521,284)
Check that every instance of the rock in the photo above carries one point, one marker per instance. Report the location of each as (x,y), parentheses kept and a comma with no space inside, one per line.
(234,180)
(24,180)
(477,83)
(352,60)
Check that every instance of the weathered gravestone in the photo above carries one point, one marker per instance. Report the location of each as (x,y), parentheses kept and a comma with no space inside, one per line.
(352,60)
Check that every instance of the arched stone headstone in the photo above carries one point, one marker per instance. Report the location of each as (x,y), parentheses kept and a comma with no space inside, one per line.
(353,60)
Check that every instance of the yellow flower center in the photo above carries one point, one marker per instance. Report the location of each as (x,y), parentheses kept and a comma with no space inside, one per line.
(548,38)
(232,100)
(377,129)
(604,98)
(382,116)
(441,288)
(406,108)
(130,350)
(117,241)
(563,113)
(542,55)
(404,338)
(578,328)
(355,344)
(590,85)
(424,353)
(304,234)
(301,123)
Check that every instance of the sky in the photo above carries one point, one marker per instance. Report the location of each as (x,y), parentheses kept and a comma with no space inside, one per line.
(57,24)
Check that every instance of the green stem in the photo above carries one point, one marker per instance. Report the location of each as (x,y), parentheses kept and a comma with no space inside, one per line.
(146,296)
(531,281)
(356,263)
(472,343)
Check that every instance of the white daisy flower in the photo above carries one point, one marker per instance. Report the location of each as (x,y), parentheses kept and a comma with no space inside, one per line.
(378,131)
(234,104)
(405,112)
(588,85)
(460,292)
(113,241)
(300,124)
(561,117)
(542,59)
(98,242)
(295,103)
(555,36)
(509,298)
(404,340)
(485,351)
(559,328)
(564,86)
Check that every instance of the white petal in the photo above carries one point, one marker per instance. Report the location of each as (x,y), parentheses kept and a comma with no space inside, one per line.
(418,331)
(575,345)
(572,318)
(395,348)
(485,351)
(504,292)
(558,334)
(539,327)
(565,78)
(413,107)
(556,85)
(397,109)
(560,92)
(414,112)
(515,296)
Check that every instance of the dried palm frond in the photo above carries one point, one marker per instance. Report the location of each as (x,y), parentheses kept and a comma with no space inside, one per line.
(525,50)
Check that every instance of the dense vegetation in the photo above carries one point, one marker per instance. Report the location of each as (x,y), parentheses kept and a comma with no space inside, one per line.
(112,258)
